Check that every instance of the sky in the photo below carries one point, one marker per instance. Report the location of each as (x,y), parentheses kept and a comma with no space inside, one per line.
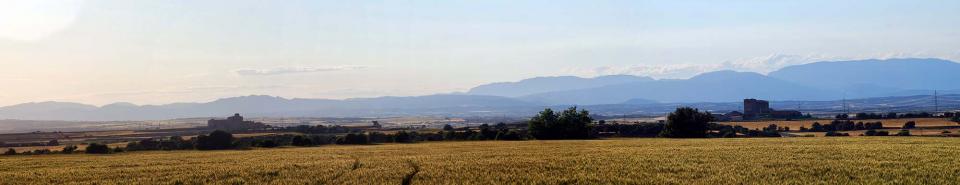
(157,52)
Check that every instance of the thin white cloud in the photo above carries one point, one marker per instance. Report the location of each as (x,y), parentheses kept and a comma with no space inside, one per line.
(293,70)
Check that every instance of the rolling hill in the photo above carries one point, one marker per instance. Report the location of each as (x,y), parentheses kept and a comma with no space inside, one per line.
(551,84)
(872,78)
(896,84)
(721,86)
(261,105)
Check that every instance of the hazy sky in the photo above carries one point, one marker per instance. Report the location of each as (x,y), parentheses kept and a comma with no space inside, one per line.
(154,52)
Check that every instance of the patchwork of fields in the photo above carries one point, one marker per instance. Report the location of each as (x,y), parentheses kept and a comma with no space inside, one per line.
(820,160)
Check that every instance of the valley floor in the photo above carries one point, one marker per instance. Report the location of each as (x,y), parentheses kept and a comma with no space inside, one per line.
(820,160)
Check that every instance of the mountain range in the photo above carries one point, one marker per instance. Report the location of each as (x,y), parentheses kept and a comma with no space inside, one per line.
(814,81)
(617,94)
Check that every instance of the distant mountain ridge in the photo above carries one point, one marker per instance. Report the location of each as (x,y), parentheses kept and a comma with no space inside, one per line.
(869,78)
(550,84)
(814,81)
(268,106)
(720,86)
(261,105)
(821,81)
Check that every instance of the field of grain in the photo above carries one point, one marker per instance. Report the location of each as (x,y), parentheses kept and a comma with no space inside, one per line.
(860,160)
(795,125)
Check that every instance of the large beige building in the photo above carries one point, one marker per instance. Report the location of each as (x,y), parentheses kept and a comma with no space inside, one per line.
(234,122)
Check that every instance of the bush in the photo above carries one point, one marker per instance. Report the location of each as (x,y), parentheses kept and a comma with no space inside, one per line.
(910,125)
(903,133)
(300,140)
(487,132)
(10,151)
(42,151)
(182,144)
(509,136)
(354,139)
(379,137)
(873,125)
(883,133)
(323,139)
(267,143)
(447,127)
(816,127)
(53,143)
(686,122)
(763,133)
(216,140)
(403,137)
(69,149)
(96,148)
(870,132)
(835,134)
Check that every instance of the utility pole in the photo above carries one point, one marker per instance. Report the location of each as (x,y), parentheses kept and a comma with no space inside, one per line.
(936,102)
(845,109)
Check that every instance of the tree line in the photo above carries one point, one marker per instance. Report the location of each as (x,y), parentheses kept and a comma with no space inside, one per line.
(894,115)
(572,123)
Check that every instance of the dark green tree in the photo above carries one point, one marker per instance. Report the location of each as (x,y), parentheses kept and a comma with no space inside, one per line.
(354,139)
(686,122)
(300,140)
(569,124)
(216,140)
(540,126)
(96,148)
(403,137)
(53,143)
(487,133)
(501,127)
(576,124)
(903,133)
(269,143)
(816,127)
(910,125)
(509,136)
(447,127)
(10,151)
(870,132)
(69,149)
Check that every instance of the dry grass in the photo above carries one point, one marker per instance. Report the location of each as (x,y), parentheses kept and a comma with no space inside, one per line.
(862,160)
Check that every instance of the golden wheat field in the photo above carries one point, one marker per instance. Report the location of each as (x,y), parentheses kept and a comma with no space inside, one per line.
(860,160)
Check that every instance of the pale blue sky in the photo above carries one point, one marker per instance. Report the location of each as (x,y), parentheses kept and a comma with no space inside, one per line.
(153,52)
